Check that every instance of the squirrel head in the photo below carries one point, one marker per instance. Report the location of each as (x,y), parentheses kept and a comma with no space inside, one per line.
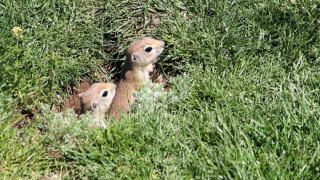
(98,99)
(144,52)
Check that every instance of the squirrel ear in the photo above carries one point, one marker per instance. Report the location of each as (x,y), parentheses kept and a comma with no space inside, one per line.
(135,58)
(80,95)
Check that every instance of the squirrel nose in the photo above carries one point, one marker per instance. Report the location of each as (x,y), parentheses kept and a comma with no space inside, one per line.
(163,44)
(159,50)
(95,105)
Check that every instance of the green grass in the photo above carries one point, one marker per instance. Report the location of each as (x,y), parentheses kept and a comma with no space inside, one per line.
(243,100)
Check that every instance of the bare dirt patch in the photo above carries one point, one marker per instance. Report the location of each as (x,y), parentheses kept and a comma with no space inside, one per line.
(73,100)
(28,116)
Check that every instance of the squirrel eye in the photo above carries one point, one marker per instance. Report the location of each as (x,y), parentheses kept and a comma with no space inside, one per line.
(105,94)
(148,49)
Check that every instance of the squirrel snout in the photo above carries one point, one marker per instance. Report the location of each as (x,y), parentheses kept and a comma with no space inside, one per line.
(162,44)
(159,50)
(94,106)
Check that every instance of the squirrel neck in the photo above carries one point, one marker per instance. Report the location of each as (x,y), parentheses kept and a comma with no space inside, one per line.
(133,74)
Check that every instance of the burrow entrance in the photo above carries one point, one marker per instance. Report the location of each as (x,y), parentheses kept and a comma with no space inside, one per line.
(73,99)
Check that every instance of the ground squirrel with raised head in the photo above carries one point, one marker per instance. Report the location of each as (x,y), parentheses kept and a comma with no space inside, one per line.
(98,99)
(141,56)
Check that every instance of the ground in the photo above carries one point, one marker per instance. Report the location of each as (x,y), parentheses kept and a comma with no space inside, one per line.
(240,100)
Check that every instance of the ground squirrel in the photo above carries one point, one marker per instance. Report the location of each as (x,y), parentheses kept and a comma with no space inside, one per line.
(141,56)
(97,99)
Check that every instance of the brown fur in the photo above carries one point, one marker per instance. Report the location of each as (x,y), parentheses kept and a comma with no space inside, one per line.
(135,70)
(92,100)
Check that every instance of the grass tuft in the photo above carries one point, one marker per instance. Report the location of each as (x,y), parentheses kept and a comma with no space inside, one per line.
(243,102)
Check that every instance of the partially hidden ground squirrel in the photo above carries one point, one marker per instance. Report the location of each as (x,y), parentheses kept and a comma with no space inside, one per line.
(98,99)
(141,56)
